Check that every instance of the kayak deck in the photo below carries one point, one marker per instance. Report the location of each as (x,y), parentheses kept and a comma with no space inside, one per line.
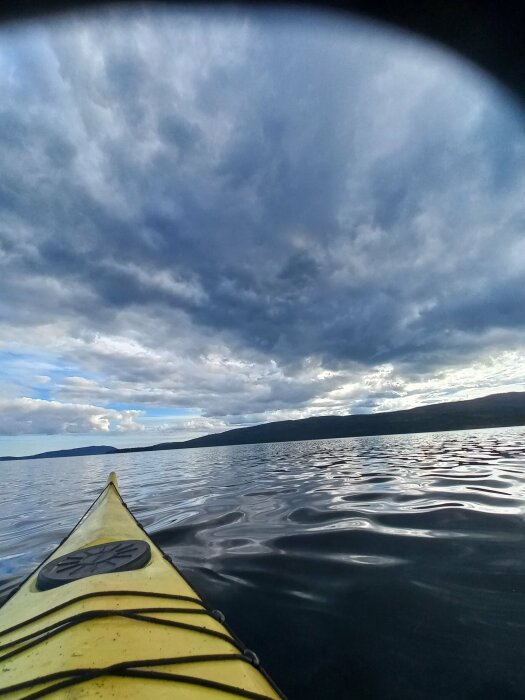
(140,633)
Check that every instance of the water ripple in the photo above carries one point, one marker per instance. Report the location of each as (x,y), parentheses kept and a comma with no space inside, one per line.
(356,567)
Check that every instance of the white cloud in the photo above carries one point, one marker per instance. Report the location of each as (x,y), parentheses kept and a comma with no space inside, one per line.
(249,220)
(42,379)
(26,416)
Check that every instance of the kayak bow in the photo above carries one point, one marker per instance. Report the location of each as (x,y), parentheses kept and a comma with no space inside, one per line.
(108,615)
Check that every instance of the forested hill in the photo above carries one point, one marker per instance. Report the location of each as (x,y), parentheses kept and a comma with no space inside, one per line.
(75,452)
(497,410)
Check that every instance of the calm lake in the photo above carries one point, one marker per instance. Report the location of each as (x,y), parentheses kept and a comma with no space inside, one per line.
(381,567)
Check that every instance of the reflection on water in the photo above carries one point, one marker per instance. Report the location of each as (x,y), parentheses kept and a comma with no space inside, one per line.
(381,567)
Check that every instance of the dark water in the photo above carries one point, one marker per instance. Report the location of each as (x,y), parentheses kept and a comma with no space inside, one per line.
(385,567)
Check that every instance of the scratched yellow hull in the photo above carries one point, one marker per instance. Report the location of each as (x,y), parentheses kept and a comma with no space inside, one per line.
(131,634)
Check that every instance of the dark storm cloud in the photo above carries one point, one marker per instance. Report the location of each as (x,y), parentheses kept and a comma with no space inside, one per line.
(284,189)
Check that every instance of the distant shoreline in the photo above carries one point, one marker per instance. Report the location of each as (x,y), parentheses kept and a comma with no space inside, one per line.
(493,411)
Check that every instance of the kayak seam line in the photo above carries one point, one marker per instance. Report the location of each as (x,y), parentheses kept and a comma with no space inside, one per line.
(96,594)
(64,625)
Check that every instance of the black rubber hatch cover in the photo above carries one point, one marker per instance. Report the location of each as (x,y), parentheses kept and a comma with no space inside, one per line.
(108,558)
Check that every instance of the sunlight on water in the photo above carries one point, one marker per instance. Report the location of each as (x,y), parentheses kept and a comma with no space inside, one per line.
(369,563)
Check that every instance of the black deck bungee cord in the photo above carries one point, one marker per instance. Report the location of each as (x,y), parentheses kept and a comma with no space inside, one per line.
(93,614)
(169,661)
(136,614)
(98,594)
(130,670)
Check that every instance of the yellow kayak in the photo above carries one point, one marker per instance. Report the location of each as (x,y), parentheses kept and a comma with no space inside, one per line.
(107,615)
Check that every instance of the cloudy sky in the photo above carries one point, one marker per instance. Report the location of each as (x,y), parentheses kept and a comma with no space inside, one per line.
(209,221)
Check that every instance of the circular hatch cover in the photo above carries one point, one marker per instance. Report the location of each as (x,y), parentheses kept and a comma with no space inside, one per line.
(108,558)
